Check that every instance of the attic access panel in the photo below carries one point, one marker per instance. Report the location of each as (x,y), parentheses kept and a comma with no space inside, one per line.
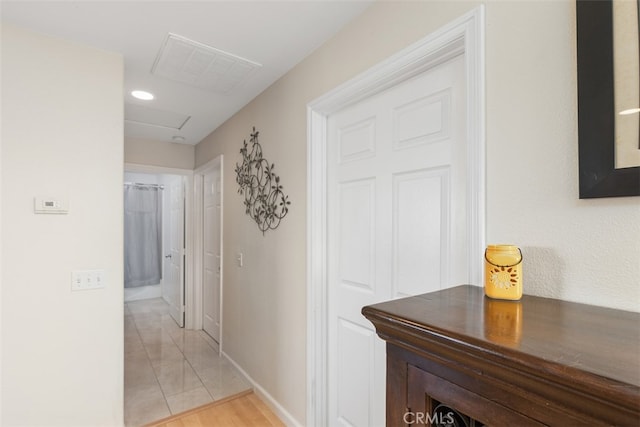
(196,64)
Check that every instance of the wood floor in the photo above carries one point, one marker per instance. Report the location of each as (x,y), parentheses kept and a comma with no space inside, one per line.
(244,409)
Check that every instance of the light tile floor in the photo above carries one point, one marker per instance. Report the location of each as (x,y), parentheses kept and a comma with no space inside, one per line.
(168,369)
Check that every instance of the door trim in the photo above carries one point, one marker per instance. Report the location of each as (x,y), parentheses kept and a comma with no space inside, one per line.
(196,296)
(464,35)
(189,223)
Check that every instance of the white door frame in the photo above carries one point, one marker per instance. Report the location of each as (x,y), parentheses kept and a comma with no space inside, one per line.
(464,35)
(196,296)
(188,232)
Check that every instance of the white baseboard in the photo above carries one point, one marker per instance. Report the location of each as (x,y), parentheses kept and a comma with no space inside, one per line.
(273,404)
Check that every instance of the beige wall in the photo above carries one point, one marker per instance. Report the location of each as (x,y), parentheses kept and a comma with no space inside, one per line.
(62,125)
(578,250)
(157,153)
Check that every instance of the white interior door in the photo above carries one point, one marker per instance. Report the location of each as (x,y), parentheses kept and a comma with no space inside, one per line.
(173,279)
(212,253)
(397,222)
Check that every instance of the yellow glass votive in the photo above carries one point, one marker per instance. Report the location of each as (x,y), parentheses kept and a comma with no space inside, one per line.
(503,272)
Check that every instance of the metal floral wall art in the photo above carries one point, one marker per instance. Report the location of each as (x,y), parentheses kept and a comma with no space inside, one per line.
(264,200)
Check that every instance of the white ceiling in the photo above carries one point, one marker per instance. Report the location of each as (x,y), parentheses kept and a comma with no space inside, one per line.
(275,34)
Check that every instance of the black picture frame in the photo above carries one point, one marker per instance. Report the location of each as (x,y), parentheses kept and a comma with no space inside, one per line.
(596,116)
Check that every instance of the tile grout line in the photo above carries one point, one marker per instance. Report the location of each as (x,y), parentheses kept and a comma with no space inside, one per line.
(155,374)
(144,345)
(184,356)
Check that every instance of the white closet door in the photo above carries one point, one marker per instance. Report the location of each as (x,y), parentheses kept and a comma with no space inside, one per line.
(398,222)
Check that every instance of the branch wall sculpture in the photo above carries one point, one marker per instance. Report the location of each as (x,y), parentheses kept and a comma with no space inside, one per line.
(264,199)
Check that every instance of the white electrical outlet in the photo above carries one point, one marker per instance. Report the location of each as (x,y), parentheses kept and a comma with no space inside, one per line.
(82,280)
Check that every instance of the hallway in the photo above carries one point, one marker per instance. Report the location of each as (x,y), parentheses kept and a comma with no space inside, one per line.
(167,369)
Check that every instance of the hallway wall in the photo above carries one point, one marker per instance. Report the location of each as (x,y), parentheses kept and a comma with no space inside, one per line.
(578,250)
(159,153)
(62,126)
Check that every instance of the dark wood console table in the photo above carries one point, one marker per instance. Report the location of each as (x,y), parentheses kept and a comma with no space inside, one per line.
(535,362)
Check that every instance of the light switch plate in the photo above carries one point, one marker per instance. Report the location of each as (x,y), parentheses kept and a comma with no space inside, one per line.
(82,280)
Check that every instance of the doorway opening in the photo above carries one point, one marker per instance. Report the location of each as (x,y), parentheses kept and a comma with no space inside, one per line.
(154,239)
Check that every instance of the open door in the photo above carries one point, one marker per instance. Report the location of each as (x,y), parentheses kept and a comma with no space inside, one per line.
(212,255)
(173,278)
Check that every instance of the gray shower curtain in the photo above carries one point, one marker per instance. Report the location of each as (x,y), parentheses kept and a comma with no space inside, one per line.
(142,235)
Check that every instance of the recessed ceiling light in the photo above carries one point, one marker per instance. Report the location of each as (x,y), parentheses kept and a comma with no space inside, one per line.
(629,111)
(141,94)
(178,138)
